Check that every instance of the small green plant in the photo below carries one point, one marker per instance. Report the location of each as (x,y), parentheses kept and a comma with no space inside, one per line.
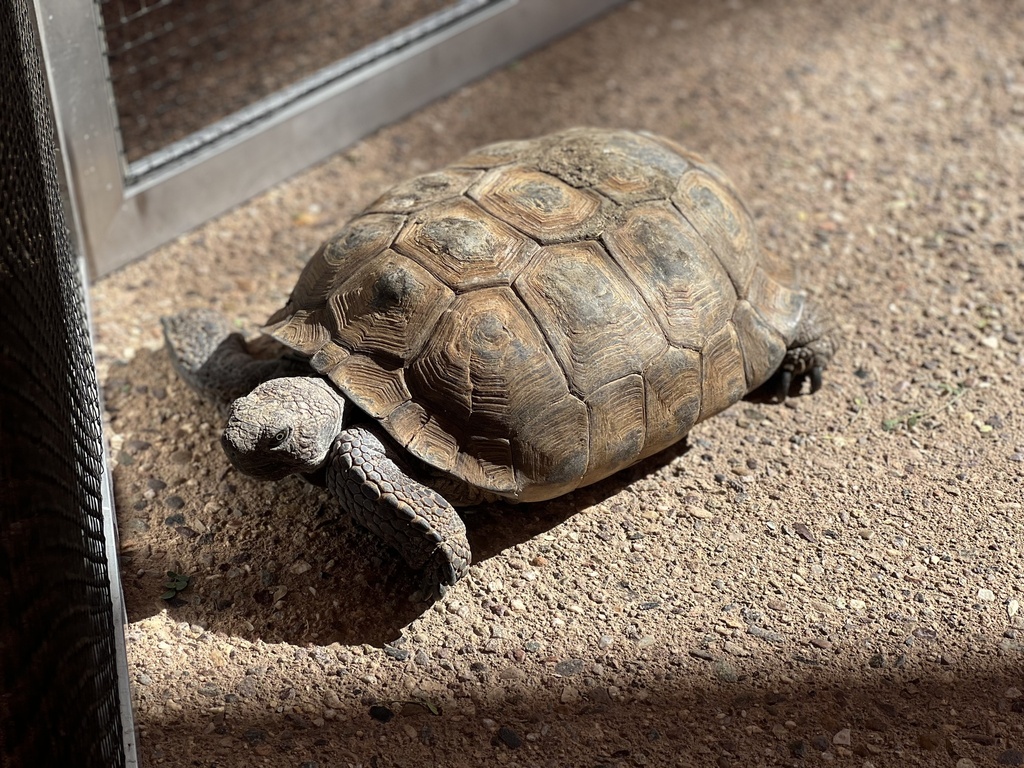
(951,392)
(176,583)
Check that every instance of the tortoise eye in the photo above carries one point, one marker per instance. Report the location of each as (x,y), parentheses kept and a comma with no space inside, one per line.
(280,437)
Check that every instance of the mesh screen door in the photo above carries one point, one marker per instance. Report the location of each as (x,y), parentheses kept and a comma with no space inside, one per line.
(63,676)
(158,99)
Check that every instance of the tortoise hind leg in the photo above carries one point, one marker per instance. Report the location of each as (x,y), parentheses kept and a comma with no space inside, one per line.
(216,361)
(809,353)
(415,520)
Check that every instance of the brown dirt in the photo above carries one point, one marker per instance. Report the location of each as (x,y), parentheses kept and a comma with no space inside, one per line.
(837,580)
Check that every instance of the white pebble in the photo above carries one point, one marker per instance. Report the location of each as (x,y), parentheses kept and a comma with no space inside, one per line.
(842,738)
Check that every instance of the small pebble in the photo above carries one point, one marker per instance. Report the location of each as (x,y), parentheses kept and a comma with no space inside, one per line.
(735,649)
(726,672)
(842,738)
(929,741)
(568,667)
(509,737)
(820,743)
(765,634)
(804,532)
(1011,757)
(181,457)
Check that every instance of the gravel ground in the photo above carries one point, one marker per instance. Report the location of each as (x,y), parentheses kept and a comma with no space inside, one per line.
(836,580)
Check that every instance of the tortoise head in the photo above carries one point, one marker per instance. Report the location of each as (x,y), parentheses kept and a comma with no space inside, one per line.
(283,426)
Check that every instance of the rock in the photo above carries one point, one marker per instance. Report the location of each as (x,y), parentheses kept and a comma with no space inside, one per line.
(136,446)
(929,741)
(842,738)
(181,456)
(804,532)
(509,738)
(1011,757)
(726,672)
(735,649)
(398,654)
(569,695)
(986,595)
(568,667)
(765,634)
(820,742)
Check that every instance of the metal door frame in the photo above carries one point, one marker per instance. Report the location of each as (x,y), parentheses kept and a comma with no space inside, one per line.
(122,211)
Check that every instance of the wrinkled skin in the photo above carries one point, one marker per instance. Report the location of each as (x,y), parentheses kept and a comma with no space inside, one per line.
(284,426)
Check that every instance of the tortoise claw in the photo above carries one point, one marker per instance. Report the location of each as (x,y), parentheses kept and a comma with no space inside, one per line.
(784,383)
(816,378)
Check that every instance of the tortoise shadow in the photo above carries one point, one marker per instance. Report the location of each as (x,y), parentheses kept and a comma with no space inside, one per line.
(495,528)
(278,562)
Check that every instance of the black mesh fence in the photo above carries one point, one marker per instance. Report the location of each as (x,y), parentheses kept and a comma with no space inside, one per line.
(59,703)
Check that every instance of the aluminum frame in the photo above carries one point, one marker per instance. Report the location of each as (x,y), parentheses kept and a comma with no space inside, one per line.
(122,211)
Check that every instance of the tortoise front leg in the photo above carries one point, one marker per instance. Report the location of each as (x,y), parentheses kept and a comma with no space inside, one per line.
(410,517)
(215,360)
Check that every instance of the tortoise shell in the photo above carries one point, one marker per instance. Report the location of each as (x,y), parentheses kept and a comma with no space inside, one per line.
(543,313)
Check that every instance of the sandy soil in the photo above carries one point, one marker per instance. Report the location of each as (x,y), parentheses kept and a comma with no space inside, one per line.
(837,580)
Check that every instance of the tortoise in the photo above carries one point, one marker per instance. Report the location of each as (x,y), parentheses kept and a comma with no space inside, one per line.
(532,318)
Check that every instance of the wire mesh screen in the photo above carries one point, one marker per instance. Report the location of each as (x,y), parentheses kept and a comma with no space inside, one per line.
(177,66)
(59,702)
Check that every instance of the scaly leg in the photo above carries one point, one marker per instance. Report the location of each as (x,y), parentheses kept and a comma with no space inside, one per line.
(410,517)
(216,361)
(812,347)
